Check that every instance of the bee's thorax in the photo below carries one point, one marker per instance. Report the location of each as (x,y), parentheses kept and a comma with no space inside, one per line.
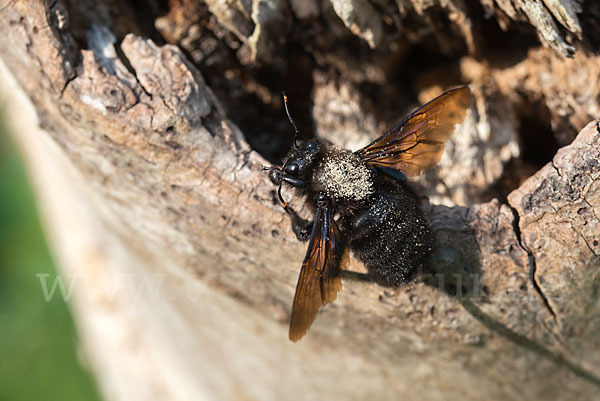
(342,175)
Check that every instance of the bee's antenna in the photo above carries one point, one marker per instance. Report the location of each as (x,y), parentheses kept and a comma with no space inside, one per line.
(283,202)
(287,111)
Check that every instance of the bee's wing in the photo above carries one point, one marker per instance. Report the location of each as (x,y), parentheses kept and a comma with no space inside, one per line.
(418,142)
(320,277)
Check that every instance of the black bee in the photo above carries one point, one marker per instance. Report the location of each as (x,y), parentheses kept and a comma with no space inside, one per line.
(362,203)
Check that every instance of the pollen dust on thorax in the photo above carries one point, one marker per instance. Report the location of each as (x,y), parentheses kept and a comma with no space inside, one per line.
(344,176)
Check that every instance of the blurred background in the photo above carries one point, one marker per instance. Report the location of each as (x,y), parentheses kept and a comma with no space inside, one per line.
(38,342)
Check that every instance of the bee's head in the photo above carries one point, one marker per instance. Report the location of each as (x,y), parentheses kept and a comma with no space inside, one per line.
(297,166)
(300,160)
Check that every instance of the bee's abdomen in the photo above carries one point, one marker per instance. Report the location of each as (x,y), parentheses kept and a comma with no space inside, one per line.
(391,237)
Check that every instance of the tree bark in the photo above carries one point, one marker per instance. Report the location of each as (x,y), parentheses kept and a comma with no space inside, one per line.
(183,265)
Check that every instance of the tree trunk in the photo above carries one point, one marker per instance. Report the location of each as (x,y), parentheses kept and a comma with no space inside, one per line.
(145,126)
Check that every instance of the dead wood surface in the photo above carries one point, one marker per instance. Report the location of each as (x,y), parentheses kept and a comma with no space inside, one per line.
(142,175)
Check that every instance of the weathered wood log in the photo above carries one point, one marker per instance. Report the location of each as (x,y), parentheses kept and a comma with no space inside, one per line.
(183,265)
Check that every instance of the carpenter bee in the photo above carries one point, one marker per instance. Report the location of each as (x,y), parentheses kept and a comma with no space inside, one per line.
(361,203)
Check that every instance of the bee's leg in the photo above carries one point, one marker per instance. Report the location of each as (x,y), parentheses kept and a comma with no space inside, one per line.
(392,173)
(301,227)
(356,276)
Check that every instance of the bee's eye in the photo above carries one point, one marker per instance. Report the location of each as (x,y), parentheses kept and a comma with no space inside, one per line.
(292,168)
